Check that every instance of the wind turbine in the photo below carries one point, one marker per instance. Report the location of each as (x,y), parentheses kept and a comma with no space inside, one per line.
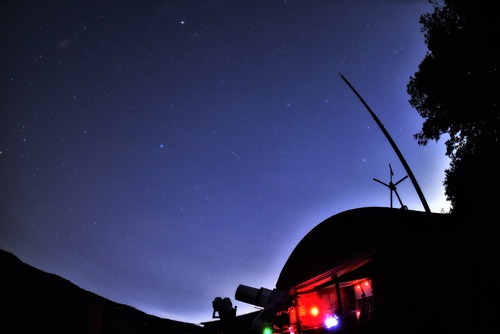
(392,187)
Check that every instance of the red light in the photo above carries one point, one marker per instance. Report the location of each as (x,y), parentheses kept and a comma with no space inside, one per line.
(309,311)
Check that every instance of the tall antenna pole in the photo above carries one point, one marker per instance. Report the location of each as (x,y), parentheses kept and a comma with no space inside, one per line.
(396,149)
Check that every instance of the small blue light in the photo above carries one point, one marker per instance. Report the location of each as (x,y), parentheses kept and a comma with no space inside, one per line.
(331,321)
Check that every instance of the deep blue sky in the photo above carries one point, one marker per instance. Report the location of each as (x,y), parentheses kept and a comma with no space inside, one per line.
(160,153)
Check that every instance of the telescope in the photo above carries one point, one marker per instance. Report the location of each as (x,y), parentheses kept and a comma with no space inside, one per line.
(260,297)
(272,302)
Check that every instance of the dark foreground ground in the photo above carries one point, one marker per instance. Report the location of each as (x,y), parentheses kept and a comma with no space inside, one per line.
(38,302)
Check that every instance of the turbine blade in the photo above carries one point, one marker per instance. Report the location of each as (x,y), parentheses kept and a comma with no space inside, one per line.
(388,186)
(401,180)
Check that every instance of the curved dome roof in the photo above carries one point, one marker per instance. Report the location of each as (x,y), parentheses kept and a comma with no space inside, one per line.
(352,236)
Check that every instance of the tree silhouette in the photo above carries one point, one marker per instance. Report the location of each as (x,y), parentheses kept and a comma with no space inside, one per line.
(456,91)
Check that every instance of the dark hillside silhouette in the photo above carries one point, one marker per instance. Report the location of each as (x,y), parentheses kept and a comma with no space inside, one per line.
(38,302)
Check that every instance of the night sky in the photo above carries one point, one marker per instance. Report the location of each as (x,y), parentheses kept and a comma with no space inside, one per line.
(160,153)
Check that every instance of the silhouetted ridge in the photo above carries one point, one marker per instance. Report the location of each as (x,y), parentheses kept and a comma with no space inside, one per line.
(40,302)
